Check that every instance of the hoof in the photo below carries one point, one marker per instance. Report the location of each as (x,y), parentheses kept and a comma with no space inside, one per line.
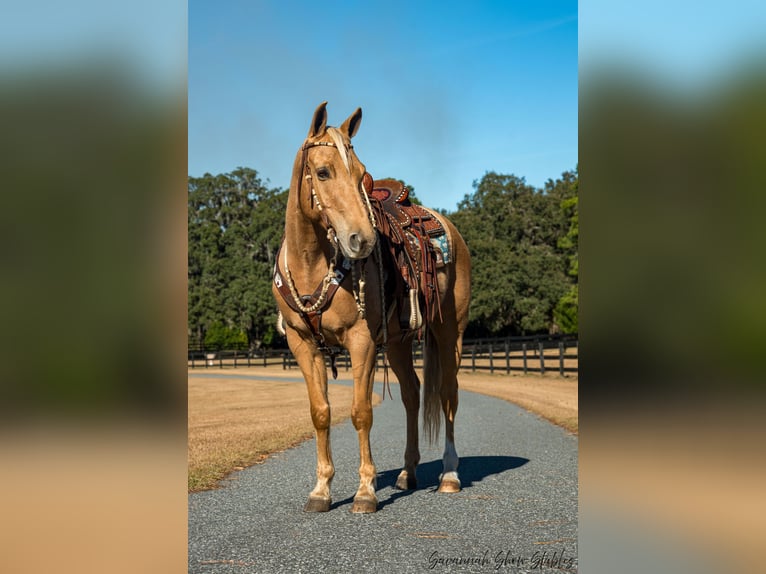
(449,485)
(406,481)
(317,505)
(364,505)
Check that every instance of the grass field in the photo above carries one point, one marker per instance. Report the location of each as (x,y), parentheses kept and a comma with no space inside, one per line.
(234,423)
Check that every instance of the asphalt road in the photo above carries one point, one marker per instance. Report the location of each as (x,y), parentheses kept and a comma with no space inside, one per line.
(517,511)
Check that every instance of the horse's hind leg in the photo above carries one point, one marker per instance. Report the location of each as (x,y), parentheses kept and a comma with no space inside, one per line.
(448,343)
(400,358)
(445,347)
(449,395)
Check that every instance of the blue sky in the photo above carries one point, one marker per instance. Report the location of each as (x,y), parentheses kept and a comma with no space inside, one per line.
(142,38)
(449,90)
(683,44)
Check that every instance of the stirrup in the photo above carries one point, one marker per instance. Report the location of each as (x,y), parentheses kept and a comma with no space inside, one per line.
(416,319)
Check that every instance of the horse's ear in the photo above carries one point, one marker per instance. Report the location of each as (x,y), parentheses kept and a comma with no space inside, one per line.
(351,125)
(319,122)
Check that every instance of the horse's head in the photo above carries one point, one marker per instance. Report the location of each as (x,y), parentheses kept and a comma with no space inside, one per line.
(332,175)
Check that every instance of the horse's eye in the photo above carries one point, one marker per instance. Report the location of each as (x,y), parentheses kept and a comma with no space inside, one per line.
(323,173)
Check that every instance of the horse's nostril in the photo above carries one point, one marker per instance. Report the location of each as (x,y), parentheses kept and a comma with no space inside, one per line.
(358,245)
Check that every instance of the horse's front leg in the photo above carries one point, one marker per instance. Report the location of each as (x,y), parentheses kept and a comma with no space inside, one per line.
(312,365)
(362,352)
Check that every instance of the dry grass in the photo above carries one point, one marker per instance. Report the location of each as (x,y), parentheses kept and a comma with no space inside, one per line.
(234,423)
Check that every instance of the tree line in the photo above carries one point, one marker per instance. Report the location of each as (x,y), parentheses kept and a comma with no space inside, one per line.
(523,242)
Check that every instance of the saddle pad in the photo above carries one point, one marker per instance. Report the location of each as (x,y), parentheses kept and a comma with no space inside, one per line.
(441,248)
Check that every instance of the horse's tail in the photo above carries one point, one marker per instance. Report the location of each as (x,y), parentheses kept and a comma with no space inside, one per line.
(432,373)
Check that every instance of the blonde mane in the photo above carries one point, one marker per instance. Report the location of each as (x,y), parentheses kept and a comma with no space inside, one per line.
(337,139)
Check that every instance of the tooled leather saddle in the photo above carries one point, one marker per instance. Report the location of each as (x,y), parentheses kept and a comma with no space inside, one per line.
(416,243)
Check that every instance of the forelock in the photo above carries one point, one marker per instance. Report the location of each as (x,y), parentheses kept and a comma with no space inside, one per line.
(337,139)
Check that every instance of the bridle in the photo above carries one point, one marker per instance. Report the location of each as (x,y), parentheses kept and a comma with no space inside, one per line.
(314,197)
(322,300)
(311,307)
(358,289)
(307,171)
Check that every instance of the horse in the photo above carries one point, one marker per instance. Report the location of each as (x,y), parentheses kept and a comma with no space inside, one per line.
(334,290)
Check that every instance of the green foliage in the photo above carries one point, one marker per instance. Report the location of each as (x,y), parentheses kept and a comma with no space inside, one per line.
(565,312)
(519,267)
(523,244)
(220,337)
(270,336)
(234,228)
(569,243)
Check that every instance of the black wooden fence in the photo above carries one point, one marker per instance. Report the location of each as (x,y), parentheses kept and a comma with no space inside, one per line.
(522,354)
(537,354)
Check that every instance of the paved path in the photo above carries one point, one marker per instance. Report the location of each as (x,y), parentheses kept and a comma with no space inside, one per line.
(517,511)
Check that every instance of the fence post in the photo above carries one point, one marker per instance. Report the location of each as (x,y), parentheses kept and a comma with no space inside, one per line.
(507,358)
(542,357)
(473,358)
(491,360)
(235,358)
(284,361)
(561,358)
(524,351)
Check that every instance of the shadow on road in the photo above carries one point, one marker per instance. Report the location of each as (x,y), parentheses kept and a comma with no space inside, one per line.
(472,469)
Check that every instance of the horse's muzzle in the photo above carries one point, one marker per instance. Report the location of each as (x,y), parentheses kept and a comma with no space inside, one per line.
(358,246)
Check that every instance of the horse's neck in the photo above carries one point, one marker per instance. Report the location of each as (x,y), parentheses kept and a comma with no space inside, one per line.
(307,249)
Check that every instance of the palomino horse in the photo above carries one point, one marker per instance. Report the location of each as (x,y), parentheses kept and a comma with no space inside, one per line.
(329,286)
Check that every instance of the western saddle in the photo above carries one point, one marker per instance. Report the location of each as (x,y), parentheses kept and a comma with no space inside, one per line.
(417,244)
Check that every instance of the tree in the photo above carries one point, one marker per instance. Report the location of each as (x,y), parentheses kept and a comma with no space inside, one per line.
(220,337)
(519,270)
(566,309)
(523,243)
(235,226)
